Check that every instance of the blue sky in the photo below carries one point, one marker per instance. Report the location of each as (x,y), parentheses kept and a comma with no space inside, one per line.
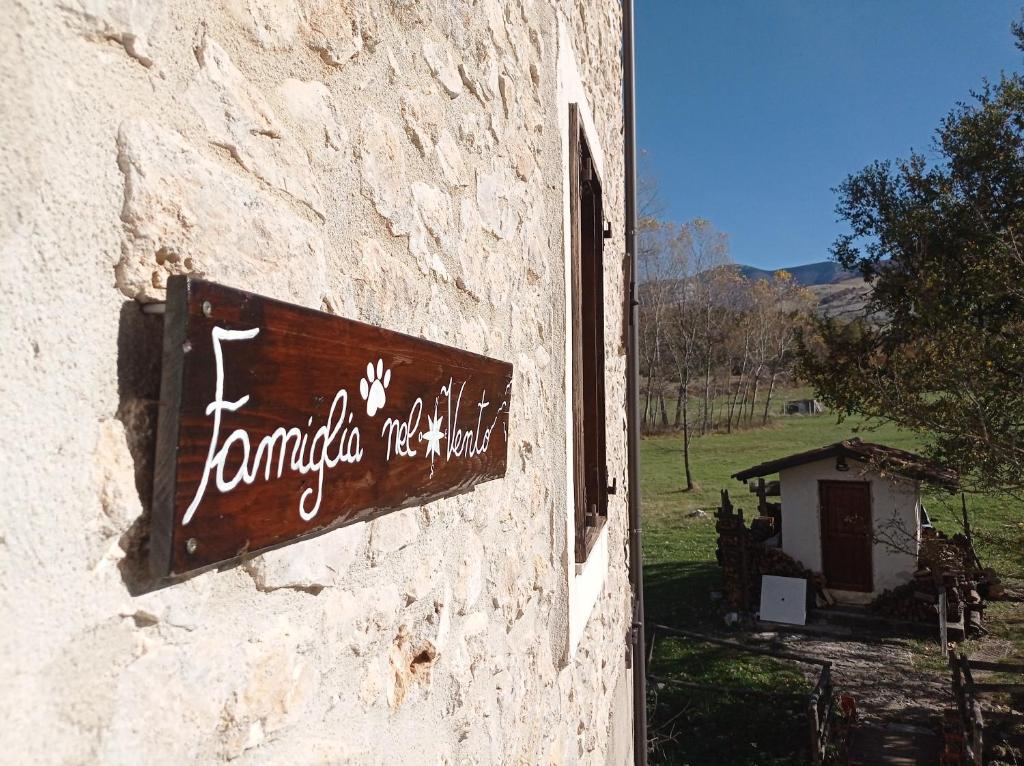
(750,112)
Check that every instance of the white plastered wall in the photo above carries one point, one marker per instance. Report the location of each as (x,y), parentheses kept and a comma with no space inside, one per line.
(895,505)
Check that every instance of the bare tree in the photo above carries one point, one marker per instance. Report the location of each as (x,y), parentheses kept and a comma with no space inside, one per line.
(708,258)
(655,242)
(696,255)
(707,333)
(683,333)
(790,307)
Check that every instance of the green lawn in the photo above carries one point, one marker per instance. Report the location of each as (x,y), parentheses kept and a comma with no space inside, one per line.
(695,727)
(671,540)
(680,575)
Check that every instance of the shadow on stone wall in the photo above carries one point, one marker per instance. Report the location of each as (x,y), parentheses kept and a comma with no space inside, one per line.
(139,352)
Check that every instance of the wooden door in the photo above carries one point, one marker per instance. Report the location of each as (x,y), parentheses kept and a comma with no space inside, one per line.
(846,534)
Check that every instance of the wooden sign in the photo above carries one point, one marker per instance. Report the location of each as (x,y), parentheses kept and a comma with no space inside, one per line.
(279,422)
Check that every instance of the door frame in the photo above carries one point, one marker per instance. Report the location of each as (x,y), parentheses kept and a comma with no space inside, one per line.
(871,533)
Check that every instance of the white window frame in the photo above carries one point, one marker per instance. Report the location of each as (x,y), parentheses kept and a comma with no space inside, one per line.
(586,579)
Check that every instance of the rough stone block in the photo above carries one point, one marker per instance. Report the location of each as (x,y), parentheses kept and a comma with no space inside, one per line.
(382,166)
(272,24)
(339,29)
(241,120)
(425,573)
(310,565)
(443,67)
(494,198)
(119,500)
(185,214)
(469,578)
(409,662)
(277,685)
(449,157)
(128,22)
(310,104)
(393,532)
(434,207)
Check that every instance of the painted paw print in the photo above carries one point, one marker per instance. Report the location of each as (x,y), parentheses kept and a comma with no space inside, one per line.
(371,388)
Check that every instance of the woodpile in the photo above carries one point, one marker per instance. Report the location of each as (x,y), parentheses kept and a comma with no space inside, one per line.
(762,527)
(774,561)
(940,554)
(736,554)
(915,601)
(990,586)
(945,564)
(975,607)
(744,560)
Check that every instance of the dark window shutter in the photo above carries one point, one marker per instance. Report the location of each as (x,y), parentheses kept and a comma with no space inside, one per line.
(586,217)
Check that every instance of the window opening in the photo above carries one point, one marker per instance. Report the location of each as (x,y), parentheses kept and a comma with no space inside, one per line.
(588,357)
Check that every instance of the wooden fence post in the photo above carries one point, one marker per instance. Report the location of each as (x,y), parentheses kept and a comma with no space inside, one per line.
(744,567)
(943,628)
(812,716)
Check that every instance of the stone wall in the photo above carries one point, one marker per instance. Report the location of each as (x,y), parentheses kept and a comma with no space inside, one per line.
(394,162)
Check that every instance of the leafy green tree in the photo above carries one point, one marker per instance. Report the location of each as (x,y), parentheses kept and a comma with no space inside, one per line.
(940,347)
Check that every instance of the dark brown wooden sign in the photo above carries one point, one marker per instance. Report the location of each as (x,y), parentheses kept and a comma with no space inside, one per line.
(279,422)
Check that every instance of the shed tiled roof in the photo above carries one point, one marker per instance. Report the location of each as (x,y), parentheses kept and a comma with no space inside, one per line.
(879,456)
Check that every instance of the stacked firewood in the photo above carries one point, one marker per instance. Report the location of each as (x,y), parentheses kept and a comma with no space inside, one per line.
(762,528)
(744,560)
(939,554)
(775,561)
(991,586)
(917,601)
(914,601)
(737,554)
(948,564)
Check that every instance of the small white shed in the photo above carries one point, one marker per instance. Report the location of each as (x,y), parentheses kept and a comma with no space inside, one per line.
(852,511)
(804,407)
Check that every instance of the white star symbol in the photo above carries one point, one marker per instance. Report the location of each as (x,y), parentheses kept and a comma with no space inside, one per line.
(433,436)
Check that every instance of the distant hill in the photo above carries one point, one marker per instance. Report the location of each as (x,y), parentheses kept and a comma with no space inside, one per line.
(822,273)
(839,292)
(845,298)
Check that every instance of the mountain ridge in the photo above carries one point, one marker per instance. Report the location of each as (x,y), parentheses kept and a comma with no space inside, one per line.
(808,274)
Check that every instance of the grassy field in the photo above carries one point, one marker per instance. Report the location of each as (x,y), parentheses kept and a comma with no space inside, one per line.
(681,574)
(693,728)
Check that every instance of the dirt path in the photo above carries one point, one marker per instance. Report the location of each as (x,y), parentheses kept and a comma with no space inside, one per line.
(901,684)
(899,701)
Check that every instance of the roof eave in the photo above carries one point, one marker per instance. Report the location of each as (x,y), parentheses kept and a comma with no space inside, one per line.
(840,449)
